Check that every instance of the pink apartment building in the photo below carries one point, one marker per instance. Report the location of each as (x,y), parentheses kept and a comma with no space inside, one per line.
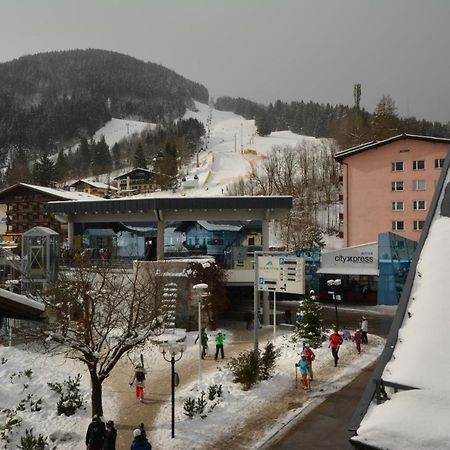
(388,186)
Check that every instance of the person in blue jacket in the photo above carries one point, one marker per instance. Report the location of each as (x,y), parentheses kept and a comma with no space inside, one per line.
(303,366)
(140,442)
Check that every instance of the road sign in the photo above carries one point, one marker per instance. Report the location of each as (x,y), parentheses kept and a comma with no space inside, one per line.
(281,274)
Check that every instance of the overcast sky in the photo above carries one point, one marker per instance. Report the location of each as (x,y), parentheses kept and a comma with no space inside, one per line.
(262,50)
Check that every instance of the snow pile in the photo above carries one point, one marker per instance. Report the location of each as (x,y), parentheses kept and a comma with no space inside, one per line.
(24,376)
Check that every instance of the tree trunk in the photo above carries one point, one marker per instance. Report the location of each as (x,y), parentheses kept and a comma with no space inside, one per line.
(96,395)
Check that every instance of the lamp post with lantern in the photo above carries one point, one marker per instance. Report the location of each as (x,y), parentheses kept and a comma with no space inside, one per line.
(173,352)
(334,285)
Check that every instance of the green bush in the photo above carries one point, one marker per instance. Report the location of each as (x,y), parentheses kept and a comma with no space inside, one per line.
(267,361)
(31,442)
(249,366)
(70,399)
(244,367)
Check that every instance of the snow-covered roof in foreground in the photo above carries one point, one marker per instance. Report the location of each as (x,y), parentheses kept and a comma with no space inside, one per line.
(22,299)
(418,419)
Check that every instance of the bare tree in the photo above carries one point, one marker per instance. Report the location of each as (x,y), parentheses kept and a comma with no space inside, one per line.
(101,314)
(310,174)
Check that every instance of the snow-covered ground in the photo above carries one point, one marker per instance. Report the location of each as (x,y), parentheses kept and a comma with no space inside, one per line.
(228,413)
(18,384)
(231,411)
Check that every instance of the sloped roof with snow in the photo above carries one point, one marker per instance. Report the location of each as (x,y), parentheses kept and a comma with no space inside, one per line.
(415,358)
(339,156)
(57,193)
(19,306)
(95,184)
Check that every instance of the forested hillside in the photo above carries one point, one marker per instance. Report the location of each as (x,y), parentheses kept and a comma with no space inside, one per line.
(349,125)
(55,97)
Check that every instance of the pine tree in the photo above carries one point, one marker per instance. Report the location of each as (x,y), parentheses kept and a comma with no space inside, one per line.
(44,171)
(309,329)
(84,157)
(62,167)
(116,156)
(102,161)
(139,157)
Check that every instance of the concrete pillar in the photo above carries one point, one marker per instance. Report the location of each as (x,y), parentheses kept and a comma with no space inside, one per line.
(70,233)
(160,240)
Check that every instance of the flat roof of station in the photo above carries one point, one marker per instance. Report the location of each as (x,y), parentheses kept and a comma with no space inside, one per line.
(174,208)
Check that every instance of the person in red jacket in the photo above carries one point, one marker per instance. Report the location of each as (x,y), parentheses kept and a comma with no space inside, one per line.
(310,357)
(335,342)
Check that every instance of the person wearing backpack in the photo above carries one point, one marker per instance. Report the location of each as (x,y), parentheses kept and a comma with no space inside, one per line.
(139,382)
(95,434)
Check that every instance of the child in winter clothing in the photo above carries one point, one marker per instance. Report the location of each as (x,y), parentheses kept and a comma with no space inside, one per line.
(310,357)
(357,339)
(303,366)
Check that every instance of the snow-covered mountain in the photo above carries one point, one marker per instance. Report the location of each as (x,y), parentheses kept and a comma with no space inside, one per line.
(221,162)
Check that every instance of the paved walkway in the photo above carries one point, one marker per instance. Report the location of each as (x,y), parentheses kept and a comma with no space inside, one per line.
(326,426)
(322,428)
(132,412)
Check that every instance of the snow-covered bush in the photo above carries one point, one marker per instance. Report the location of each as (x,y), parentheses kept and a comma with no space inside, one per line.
(70,398)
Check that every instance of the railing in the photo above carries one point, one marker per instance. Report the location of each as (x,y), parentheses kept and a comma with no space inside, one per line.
(380,391)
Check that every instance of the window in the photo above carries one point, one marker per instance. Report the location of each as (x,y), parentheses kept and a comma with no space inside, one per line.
(397,186)
(397,206)
(398,225)
(419,185)
(397,166)
(251,241)
(418,225)
(419,164)
(419,205)
(439,163)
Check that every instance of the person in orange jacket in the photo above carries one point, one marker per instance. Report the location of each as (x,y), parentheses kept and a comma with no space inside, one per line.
(310,357)
(335,342)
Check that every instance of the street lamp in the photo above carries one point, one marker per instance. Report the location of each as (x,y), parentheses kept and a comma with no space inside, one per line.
(173,349)
(334,285)
(200,290)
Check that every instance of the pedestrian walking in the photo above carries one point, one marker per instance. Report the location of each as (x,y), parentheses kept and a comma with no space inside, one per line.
(139,381)
(140,441)
(288,316)
(357,338)
(335,342)
(110,436)
(220,338)
(364,329)
(303,366)
(203,342)
(310,357)
(248,317)
(95,434)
